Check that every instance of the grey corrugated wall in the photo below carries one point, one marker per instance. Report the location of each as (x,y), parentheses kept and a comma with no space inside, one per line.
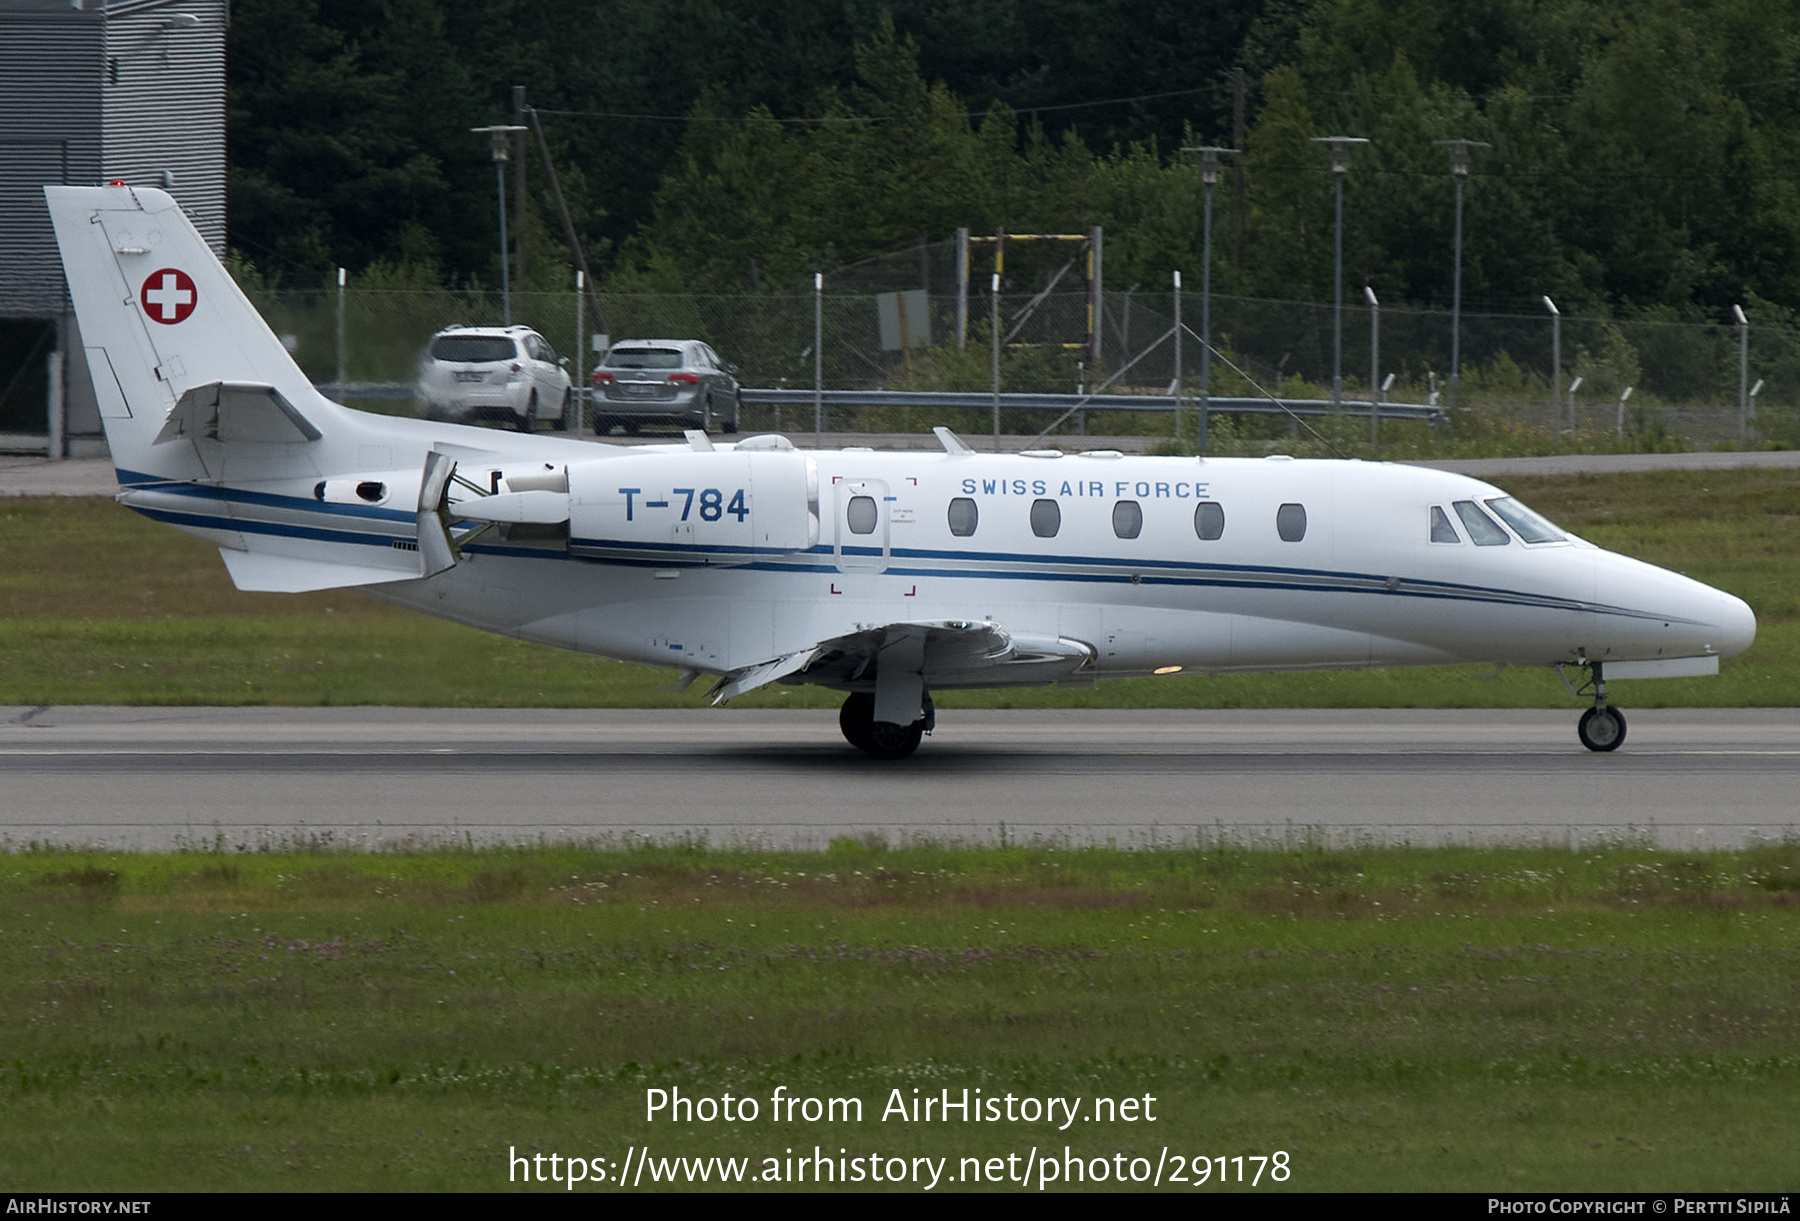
(51,61)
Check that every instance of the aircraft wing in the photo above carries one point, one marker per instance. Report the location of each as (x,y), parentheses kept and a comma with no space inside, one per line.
(941,653)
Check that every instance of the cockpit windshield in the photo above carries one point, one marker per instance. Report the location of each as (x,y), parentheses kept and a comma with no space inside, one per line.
(1530,526)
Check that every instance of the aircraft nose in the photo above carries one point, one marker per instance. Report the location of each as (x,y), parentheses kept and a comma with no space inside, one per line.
(1736,624)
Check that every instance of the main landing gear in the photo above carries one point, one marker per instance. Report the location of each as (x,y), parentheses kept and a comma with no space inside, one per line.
(882,739)
(1602,727)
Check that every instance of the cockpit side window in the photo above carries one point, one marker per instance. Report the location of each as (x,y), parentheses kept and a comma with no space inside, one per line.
(1480,526)
(1441,529)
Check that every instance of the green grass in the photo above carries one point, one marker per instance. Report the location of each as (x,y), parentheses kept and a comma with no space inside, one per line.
(1393,1019)
(98,605)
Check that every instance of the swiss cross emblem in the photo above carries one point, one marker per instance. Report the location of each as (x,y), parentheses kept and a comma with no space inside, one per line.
(168,295)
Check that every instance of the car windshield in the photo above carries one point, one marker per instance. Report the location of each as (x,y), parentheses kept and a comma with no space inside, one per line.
(1527,525)
(644,358)
(472,348)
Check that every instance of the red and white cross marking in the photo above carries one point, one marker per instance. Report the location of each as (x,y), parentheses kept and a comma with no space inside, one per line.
(168,295)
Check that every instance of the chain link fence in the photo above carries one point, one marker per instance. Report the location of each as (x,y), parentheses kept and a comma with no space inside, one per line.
(1683,377)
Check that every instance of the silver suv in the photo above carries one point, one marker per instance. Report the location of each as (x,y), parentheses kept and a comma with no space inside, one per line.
(676,381)
(508,374)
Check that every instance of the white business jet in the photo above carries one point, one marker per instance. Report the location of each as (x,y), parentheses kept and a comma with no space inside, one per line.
(887,576)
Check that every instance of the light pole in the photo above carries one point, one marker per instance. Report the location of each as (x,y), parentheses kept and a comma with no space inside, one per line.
(818,360)
(1209,177)
(1340,165)
(1754,391)
(994,316)
(1459,170)
(1176,384)
(500,144)
(1573,387)
(1622,397)
(1374,367)
(1555,367)
(1737,312)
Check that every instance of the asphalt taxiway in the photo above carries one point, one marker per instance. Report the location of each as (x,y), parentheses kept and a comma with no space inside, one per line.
(252,777)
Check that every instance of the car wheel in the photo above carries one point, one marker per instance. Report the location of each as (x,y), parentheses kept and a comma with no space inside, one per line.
(524,421)
(737,410)
(706,414)
(631,427)
(560,423)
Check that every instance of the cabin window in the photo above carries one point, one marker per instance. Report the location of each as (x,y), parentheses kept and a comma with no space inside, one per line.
(1441,529)
(1046,518)
(1209,520)
(1480,526)
(963,517)
(1128,519)
(1290,523)
(1526,524)
(861,515)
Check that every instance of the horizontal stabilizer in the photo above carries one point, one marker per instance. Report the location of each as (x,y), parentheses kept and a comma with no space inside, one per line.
(280,574)
(236,411)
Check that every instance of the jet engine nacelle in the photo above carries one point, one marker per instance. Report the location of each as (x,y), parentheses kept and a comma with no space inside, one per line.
(723,507)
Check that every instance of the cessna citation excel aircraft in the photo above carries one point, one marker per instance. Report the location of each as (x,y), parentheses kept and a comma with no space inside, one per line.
(887,576)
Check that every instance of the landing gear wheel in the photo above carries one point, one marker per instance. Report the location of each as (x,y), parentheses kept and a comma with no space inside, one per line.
(877,739)
(1602,728)
(560,422)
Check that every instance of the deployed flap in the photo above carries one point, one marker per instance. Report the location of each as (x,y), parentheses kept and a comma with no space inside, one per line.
(937,653)
(236,411)
(761,676)
(258,571)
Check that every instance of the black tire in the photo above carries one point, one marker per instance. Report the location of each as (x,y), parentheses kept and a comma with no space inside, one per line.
(1602,729)
(603,426)
(706,414)
(730,427)
(856,717)
(524,422)
(561,422)
(877,739)
(631,427)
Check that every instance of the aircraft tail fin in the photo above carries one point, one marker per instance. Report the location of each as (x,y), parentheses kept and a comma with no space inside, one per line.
(176,350)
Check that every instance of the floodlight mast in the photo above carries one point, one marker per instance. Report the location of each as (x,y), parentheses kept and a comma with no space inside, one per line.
(1340,165)
(1209,177)
(1459,170)
(1737,312)
(1555,367)
(500,144)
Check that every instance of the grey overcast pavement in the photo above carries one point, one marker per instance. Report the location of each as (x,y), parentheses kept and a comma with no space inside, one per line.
(164,777)
(26,476)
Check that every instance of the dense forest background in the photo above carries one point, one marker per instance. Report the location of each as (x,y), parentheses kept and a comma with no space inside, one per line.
(1644,159)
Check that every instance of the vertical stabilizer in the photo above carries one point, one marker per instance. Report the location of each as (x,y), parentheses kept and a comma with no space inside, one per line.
(161,318)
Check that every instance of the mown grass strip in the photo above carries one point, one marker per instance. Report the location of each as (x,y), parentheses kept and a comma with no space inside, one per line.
(1615,1018)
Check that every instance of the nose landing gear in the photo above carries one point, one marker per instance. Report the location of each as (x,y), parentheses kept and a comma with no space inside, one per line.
(1602,727)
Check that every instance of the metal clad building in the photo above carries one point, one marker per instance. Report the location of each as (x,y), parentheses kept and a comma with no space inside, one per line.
(91,92)
(51,61)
